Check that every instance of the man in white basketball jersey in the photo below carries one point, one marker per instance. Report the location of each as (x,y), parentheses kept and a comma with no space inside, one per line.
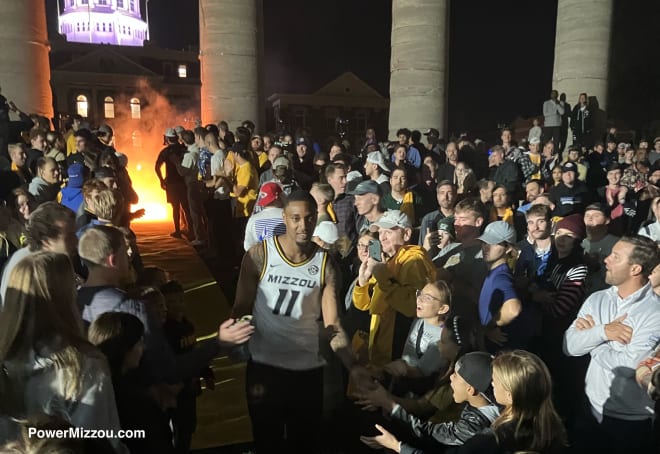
(288,284)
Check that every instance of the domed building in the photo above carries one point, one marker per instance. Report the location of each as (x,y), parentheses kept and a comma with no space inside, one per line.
(116,22)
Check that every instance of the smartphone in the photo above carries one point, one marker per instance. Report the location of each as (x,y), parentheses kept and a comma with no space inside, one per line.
(375,251)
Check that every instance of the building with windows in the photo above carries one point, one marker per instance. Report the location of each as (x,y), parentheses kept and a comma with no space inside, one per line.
(103,82)
(116,22)
(345,98)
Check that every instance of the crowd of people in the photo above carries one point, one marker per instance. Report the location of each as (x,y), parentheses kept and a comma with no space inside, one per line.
(419,295)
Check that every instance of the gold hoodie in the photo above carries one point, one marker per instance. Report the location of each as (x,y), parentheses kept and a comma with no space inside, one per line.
(390,290)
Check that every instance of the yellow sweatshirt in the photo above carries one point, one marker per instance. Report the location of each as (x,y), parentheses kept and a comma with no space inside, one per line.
(390,290)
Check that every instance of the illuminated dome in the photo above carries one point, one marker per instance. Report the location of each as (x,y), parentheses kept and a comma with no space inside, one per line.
(116,22)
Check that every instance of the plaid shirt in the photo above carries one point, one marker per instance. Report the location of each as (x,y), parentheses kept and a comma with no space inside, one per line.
(518,156)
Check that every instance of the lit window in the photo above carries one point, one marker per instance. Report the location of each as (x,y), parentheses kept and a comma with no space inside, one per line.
(183,71)
(81,105)
(109,107)
(135,108)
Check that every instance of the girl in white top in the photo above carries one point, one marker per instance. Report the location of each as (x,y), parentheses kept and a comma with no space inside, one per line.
(433,303)
(48,365)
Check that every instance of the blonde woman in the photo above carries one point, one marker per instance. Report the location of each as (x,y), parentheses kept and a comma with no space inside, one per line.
(529,422)
(48,365)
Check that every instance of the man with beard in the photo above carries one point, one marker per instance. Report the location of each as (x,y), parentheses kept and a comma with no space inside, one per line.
(597,245)
(617,327)
(288,284)
(446,195)
(400,198)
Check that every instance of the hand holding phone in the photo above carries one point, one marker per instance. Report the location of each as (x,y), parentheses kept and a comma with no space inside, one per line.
(375,250)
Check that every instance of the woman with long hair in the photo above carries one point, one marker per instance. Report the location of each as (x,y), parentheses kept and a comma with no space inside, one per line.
(47,364)
(529,422)
(465,180)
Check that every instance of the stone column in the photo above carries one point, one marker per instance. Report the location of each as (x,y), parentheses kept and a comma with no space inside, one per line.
(582,50)
(230,36)
(418,65)
(25,67)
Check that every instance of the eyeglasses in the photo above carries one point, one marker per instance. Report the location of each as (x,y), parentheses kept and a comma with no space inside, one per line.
(363,246)
(425,297)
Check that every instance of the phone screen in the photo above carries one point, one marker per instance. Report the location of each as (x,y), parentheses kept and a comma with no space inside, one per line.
(375,251)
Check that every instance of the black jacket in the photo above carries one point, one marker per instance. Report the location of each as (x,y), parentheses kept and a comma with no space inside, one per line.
(508,175)
(570,200)
(471,422)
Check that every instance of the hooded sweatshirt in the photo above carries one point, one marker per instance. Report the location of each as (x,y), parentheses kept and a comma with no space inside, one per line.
(72,198)
(391,291)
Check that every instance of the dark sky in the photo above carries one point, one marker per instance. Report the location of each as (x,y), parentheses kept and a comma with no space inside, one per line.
(500,58)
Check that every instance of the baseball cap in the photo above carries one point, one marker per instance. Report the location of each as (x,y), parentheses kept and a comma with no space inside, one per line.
(367,187)
(657,139)
(569,167)
(498,232)
(327,232)
(376,157)
(476,368)
(281,161)
(598,206)
(534,140)
(432,132)
(390,220)
(76,173)
(573,223)
(447,225)
(301,141)
(170,132)
(268,193)
(179,129)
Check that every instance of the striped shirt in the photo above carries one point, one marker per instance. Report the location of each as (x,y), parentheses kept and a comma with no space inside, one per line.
(263,225)
(566,276)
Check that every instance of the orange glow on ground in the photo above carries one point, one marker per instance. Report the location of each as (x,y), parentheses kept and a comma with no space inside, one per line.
(152,197)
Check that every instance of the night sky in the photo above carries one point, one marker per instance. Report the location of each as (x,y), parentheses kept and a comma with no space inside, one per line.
(500,59)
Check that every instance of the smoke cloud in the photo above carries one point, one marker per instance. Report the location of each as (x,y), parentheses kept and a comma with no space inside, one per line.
(139,134)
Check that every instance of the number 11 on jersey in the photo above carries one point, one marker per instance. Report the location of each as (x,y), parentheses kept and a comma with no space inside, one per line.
(280,301)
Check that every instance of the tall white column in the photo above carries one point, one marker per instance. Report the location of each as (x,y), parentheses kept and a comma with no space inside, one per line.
(582,49)
(24,62)
(230,36)
(418,65)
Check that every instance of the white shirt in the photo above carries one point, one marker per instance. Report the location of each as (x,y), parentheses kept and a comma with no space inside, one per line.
(651,231)
(552,112)
(191,157)
(262,225)
(610,381)
(287,310)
